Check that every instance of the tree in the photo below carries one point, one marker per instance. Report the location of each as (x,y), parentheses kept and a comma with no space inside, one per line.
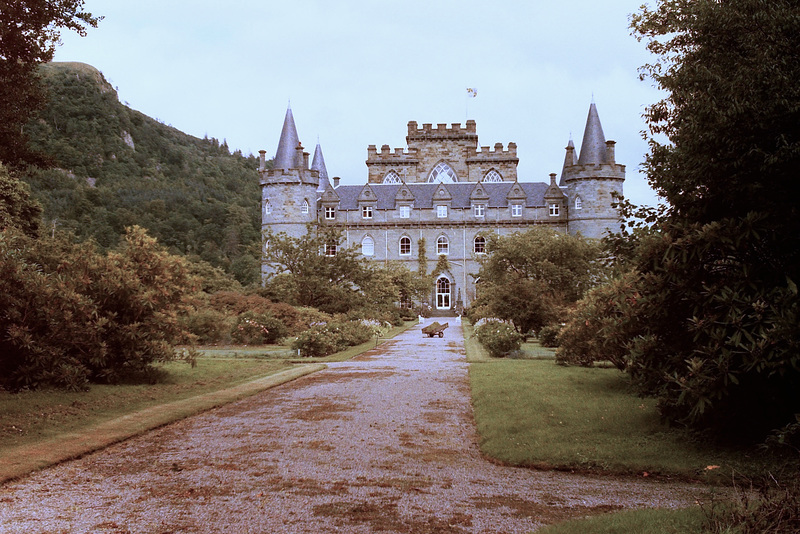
(528,278)
(717,299)
(17,208)
(29,33)
(321,273)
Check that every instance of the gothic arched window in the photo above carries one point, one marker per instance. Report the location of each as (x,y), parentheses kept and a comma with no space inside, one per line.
(368,246)
(578,203)
(304,207)
(492,176)
(267,207)
(479,245)
(392,178)
(442,173)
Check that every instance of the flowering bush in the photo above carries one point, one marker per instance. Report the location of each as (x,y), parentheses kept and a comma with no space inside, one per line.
(498,337)
(257,329)
(324,339)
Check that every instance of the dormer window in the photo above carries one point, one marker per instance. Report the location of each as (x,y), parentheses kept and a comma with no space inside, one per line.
(554,210)
(405,212)
(441,211)
(516,210)
(330,213)
(366,212)
(479,210)
(304,207)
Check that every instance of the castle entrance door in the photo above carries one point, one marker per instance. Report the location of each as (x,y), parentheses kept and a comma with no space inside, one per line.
(443,294)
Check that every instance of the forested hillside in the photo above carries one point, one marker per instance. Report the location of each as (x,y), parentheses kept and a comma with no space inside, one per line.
(114,167)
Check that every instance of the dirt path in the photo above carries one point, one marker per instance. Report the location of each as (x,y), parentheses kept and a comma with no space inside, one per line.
(383,443)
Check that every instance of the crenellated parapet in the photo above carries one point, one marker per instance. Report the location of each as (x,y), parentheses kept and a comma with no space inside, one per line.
(441,131)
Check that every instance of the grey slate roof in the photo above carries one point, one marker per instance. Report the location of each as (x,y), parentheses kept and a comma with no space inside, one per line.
(423,194)
(318,164)
(286,155)
(593,146)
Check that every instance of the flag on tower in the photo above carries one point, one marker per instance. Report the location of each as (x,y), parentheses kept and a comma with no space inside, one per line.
(471,91)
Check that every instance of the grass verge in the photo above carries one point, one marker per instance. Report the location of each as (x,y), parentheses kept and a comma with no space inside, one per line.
(651,521)
(538,414)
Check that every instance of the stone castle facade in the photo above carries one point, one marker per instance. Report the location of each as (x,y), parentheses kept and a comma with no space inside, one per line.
(442,192)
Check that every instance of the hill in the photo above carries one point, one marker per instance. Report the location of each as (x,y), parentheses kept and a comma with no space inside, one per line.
(114,167)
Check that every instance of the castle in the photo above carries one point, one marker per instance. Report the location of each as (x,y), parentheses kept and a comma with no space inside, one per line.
(442,192)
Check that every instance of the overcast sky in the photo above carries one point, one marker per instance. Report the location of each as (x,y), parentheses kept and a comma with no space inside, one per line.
(357,71)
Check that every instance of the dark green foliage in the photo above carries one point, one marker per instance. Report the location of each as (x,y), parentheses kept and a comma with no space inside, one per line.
(498,337)
(530,278)
(549,336)
(115,167)
(72,315)
(17,208)
(325,339)
(715,333)
(29,32)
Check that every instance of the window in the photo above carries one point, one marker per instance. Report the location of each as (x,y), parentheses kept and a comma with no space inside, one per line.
(492,176)
(330,212)
(553,210)
(443,293)
(368,246)
(405,246)
(366,212)
(442,245)
(391,178)
(405,212)
(578,203)
(442,173)
(330,249)
(479,209)
(441,211)
(516,210)
(479,244)
(267,207)
(304,207)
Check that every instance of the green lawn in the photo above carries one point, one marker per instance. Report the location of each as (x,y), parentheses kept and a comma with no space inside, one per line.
(651,521)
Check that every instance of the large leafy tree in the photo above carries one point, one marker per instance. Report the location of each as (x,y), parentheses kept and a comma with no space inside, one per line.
(29,33)
(529,278)
(17,208)
(717,304)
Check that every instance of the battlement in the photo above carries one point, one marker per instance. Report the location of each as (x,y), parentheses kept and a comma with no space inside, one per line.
(442,130)
(289,176)
(388,155)
(486,152)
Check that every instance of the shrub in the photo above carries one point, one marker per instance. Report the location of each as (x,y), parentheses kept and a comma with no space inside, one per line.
(324,339)
(208,326)
(548,335)
(257,329)
(498,337)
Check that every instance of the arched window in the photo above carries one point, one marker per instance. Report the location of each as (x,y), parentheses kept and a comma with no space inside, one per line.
(405,246)
(492,176)
(479,244)
(392,178)
(304,207)
(267,207)
(368,246)
(442,245)
(578,203)
(442,173)
(443,293)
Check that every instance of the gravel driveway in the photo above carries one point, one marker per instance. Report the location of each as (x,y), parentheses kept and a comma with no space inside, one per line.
(382,443)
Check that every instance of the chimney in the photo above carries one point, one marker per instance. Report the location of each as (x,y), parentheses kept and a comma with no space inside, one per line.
(262,160)
(305,160)
(610,152)
(336,182)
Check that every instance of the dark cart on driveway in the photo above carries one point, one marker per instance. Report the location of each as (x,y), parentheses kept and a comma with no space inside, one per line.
(435,329)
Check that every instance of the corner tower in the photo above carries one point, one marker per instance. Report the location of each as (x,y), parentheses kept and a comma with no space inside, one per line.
(289,188)
(592,182)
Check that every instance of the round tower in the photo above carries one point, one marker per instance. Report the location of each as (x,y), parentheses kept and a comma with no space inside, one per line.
(593,182)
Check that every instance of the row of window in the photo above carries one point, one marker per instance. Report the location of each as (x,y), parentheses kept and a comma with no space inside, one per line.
(442,173)
(404,246)
(479,210)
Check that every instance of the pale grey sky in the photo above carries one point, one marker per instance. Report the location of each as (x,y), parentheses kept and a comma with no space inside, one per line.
(357,71)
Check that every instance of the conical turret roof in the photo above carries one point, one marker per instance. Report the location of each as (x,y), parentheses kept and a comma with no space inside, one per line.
(593,146)
(286,155)
(318,164)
